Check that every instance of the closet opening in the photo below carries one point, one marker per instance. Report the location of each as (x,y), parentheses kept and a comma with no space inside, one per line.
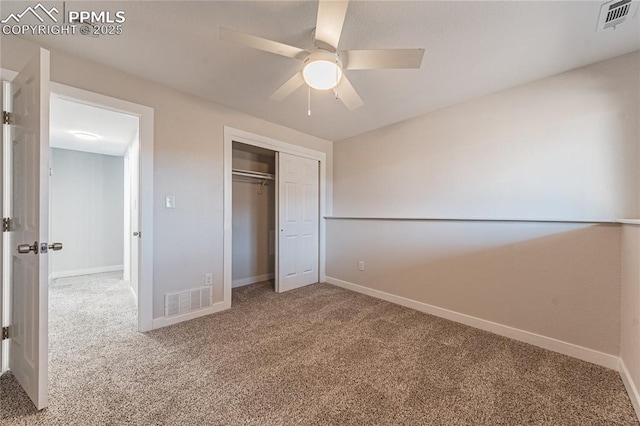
(253,215)
(274,202)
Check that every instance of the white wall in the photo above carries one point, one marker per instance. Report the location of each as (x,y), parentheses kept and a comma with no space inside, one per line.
(630,324)
(555,280)
(561,147)
(564,147)
(87,204)
(253,220)
(188,163)
(630,303)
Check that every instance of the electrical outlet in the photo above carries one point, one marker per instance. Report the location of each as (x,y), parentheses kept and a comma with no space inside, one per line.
(361,265)
(208,279)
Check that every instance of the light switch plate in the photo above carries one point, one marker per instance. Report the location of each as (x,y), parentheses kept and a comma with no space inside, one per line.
(170,202)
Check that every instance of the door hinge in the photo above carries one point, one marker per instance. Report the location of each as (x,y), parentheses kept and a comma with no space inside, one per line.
(6,224)
(7,117)
(5,333)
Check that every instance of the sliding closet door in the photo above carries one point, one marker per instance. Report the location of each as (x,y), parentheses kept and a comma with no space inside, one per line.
(298,221)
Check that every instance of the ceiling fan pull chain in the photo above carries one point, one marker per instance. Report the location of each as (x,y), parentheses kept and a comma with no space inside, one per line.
(309,101)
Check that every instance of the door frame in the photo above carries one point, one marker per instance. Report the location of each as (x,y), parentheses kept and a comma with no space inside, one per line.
(6,76)
(235,135)
(145,115)
(4,293)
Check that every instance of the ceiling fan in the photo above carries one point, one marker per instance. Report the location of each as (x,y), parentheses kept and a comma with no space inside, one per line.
(324,65)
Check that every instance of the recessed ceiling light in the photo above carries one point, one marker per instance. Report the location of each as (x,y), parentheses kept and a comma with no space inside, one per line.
(86,136)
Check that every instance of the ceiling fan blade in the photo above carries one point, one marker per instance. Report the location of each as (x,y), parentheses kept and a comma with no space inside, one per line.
(384,58)
(347,94)
(264,44)
(329,22)
(288,88)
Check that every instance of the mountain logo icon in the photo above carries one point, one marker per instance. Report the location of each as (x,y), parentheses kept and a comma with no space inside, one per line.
(38,11)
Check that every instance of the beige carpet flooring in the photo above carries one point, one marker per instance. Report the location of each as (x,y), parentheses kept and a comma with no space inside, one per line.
(315,356)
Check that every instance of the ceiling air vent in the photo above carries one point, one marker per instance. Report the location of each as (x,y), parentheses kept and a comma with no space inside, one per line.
(614,13)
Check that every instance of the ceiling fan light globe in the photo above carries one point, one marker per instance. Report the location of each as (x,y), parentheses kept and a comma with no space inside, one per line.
(322,74)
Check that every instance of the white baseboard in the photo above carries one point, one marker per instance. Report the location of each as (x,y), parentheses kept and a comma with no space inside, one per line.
(90,271)
(166,321)
(565,348)
(632,390)
(251,280)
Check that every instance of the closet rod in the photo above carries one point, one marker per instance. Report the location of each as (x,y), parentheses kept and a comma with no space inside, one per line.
(249,173)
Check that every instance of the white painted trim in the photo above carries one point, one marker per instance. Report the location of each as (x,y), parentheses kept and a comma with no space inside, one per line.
(478,219)
(251,280)
(272,144)
(632,390)
(88,271)
(565,348)
(126,231)
(133,295)
(146,116)
(3,345)
(166,321)
(231,135)
(629,221)
(7,75)
(276,239)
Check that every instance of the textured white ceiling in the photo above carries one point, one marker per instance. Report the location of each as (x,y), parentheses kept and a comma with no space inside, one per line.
(115,130)
(473,48)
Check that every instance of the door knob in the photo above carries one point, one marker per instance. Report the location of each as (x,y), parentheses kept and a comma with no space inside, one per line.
(55,246)
(44,247)
(135,234)
(26,248)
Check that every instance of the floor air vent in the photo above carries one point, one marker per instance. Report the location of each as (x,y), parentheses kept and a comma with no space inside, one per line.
(614,13)
(187,301)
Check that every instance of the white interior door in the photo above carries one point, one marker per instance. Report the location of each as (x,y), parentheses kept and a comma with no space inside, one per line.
(134,238)
(298,221)
(28,352)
